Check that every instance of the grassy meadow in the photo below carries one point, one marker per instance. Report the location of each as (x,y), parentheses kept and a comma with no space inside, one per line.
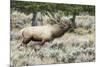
(75,46)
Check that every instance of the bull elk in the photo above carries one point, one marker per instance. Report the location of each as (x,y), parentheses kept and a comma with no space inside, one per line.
(43,33)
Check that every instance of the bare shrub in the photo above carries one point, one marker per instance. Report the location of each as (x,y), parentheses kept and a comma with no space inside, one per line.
(85,21)
(20,20)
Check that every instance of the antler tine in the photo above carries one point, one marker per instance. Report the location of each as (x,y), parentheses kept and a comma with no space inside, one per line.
(65,21)
(62,22)
(51,17)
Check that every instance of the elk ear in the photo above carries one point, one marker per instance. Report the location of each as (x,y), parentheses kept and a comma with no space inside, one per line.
(62,26)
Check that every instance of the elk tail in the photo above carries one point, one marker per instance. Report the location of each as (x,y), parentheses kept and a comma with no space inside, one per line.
(21,33)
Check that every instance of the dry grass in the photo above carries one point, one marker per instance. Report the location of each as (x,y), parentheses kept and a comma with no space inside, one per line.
(73,47)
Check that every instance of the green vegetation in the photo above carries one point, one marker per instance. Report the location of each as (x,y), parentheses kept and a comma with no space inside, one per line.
(28,7)
(35,7)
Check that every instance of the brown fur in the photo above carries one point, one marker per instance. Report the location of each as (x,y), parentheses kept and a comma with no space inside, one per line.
(42,33)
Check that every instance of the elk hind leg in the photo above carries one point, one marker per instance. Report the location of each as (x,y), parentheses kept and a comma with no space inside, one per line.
(25,42)
(42,42)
